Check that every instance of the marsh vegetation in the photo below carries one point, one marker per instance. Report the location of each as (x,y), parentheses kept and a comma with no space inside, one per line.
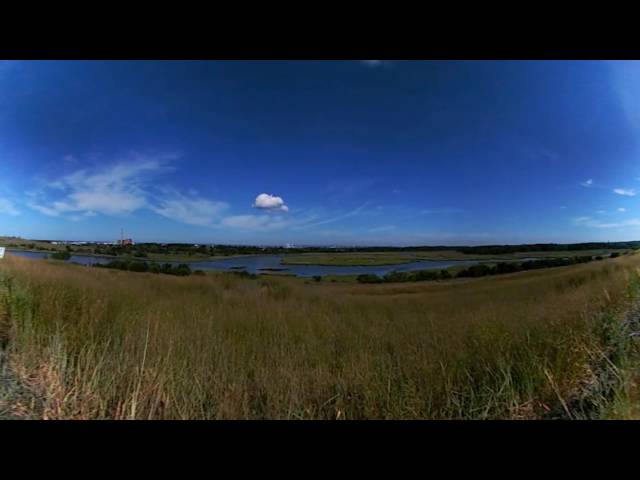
(98,343)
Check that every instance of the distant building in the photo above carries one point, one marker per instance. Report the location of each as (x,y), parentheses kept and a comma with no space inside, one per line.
(126,241)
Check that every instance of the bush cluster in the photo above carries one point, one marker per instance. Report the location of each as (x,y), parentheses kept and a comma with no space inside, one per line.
(181,270)
(60,255)
(482,270)
(415,276)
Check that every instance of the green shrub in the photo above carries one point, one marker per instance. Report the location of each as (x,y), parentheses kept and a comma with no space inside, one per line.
(60,255)
(369,278)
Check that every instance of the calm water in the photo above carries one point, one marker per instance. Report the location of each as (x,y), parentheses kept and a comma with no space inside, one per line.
(261,264)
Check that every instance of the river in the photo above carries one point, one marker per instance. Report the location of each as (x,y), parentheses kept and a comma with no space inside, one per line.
(271,263)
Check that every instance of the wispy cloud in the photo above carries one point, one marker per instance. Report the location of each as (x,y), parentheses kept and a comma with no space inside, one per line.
(384,228)
(629,192)
(441,211)
(51,212)
(626,78)
(339,190)
(7,207)
(622,209)
(123,188)
(593,223)
(540,153)
(587,183)
(255,222)
(114,190)
(352,213)
(192,210)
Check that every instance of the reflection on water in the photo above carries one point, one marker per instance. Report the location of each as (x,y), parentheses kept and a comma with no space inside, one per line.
(271,263)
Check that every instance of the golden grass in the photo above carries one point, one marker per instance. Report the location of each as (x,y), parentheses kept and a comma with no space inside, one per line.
(92,343)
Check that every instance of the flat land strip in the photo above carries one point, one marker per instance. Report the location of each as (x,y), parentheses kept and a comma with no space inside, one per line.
(393,258)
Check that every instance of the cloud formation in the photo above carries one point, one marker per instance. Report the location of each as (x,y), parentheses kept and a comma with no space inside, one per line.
(191,210)
(121,189)
(265,201)
(590,222)
(352,213)
(7,207)
(629,192)
(587,183)
(115,190)
(255,222)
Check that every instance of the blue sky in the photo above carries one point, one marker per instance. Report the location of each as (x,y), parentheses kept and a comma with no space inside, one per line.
(321,152)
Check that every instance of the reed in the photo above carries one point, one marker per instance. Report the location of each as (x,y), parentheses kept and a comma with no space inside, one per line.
(90,343)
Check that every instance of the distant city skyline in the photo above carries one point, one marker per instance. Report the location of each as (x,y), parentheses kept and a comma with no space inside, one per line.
(321,153)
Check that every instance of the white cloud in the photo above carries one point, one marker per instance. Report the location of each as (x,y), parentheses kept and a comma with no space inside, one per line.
(192,210)
(266,201)
(629,192)
(622,209)
(7,207)
(114,190)
(121,189)
(587,183)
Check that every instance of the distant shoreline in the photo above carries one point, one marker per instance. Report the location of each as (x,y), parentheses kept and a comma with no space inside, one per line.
(141,259)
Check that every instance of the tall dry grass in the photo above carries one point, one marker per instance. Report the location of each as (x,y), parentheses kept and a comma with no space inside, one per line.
(92,343)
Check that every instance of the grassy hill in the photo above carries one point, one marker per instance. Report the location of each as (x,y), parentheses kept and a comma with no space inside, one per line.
(94,343)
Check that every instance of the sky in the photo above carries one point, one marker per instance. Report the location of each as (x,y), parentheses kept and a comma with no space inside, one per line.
(350,152)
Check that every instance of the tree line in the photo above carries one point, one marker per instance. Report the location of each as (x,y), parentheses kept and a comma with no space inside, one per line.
(181,270)
(479,270)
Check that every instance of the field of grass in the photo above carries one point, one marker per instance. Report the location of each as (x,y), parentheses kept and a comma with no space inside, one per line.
(393,258)
(93,343)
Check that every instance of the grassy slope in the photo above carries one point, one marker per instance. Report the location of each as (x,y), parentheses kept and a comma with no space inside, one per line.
(106,344)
